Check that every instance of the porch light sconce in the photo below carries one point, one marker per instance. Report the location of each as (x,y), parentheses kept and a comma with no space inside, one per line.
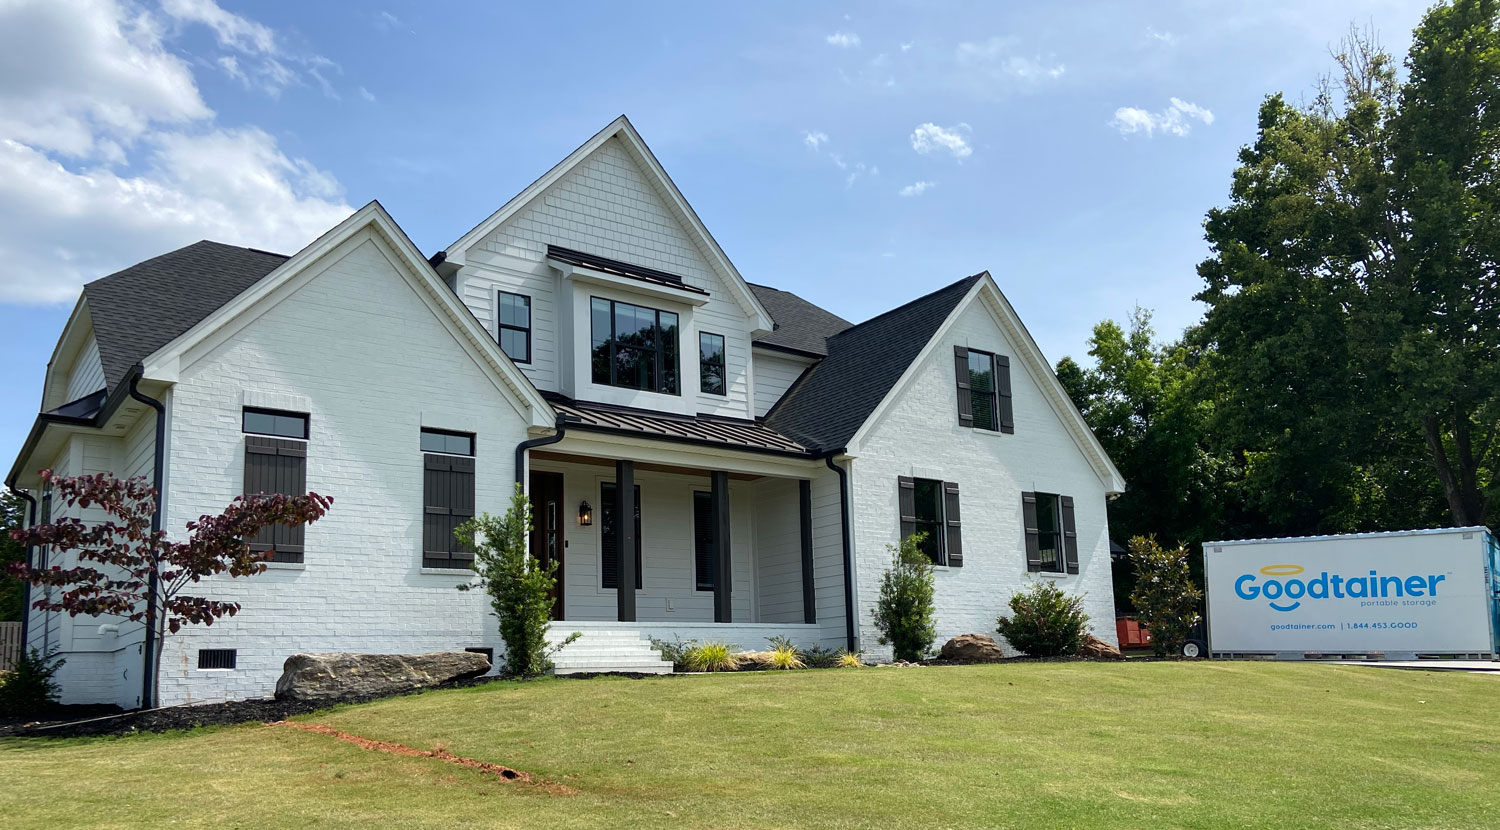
(585,514)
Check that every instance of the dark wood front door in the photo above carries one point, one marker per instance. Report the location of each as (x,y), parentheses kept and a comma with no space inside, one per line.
(547,529)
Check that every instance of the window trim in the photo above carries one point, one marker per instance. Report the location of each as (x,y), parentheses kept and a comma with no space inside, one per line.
(450,433)
(994,393)
(723,364)
(281,413)
(659,351)
(503,327)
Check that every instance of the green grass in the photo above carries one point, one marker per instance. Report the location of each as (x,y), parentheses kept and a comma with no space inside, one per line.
(1210,745)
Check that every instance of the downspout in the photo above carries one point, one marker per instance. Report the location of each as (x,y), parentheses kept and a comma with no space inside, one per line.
(26,584)
(148,649)
(848,549)
(524,446)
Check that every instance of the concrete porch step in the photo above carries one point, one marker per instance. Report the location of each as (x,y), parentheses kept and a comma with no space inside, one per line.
(607,650)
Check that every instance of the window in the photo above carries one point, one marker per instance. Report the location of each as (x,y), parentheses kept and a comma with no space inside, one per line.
(1051,533)
(275,422)
(711,378)
(451,443)
(982,390)
(276,465)
(515,325)
(703,540)
(931,507)
(216,658)
(447,497)
(634,347)
(609,537)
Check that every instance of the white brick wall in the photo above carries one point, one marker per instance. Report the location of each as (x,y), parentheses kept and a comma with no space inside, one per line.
(361,347)
(919,436)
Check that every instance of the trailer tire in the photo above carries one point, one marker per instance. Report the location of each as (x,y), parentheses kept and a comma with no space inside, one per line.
(1193,649)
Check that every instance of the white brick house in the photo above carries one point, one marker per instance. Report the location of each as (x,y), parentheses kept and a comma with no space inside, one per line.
(587,334)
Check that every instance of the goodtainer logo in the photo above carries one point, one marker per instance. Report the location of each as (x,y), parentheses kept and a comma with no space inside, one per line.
(1280,586)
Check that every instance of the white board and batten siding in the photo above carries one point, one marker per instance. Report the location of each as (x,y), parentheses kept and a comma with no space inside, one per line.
(327,349)
(918,435)
(606,206)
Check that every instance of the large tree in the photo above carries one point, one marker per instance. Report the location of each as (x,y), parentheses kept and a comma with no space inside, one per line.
(1352,289)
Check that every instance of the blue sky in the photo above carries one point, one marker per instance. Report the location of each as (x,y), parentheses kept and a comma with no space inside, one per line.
(857,154)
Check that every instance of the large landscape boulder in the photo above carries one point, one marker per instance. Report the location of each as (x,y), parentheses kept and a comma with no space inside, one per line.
(330,677)
(1098,649)
(971,648)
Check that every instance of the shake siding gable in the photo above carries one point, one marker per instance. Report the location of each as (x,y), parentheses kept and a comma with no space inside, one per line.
(917,434)
(607,205)
(363,587)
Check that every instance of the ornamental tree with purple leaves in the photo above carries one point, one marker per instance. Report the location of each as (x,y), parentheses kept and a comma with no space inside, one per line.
(125,568)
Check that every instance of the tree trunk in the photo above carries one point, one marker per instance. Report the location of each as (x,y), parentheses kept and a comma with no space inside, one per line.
(1466,504)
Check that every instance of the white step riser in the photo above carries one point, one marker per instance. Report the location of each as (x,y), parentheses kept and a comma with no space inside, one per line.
(606,651)
(665,670)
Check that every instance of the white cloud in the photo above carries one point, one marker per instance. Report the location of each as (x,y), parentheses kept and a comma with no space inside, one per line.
(917,188)
(367,95)
(1164,38)
(1177,119)
(999,64)
(263,61)
(815,139)
(906,47)
(89,89)
(929,137)
(233,31)
(843,40)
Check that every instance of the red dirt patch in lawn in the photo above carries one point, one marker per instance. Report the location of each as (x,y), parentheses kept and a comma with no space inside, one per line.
(440,754)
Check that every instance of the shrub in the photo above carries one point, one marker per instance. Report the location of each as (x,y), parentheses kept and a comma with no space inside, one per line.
(784,657)
(520,588)
(675,650)
(1044,621)
(713,655)
(817,657)
(850,660)
(1165,598)
(904,610)
(28,688)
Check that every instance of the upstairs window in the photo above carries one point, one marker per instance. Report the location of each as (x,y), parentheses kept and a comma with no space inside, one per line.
(982,390)
(634,347)
(984,399)
(514,312)
(711,378)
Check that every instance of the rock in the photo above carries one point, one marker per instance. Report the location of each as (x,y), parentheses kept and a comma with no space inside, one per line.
(330,677)
(1098,649)
(971,648)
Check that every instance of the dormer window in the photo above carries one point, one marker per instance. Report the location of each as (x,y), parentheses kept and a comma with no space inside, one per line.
(634,347)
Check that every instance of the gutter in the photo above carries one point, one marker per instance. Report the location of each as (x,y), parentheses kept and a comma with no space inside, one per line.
(26,584)
(853,641)
(523,447)
(148,648)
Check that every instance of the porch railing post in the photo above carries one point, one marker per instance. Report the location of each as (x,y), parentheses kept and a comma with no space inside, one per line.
(625,536)
(809,593)
(723,568)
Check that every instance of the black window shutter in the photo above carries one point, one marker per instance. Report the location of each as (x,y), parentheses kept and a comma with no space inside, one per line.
(1033,535)
(448,499)
(703,540)
(906,490)
(1002,391)
(961,375)
(950,515)
(1070,534)
(276,466)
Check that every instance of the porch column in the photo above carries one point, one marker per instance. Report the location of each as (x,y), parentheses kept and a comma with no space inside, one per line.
(809,595)
(723,570)
(625,538)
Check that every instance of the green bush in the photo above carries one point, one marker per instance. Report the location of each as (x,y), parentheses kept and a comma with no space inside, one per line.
(28,688)
(1044,621)
(674,650)
(520,588)
(904,610)
(817,657)
(713,655)
(849,660)
(1166,600)
(784,657)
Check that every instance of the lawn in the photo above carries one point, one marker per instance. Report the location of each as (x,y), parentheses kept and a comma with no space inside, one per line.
(1212,745)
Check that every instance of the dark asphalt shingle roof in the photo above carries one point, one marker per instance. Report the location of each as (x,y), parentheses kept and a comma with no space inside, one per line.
(800,325)
(144,307)
(830,402)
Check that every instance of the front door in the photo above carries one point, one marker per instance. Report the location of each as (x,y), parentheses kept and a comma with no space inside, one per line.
(547,529)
